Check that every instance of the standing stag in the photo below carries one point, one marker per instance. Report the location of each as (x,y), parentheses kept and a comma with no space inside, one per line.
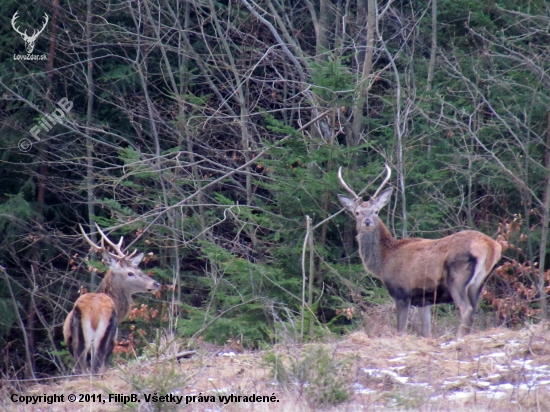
(422,272)
(91,326)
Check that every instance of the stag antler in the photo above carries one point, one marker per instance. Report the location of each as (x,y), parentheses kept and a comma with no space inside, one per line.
(384,182)
(344,185)
(120,255)
(351,192)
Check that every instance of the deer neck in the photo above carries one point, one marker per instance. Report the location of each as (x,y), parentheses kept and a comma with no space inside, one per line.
(374,246)
(115,291)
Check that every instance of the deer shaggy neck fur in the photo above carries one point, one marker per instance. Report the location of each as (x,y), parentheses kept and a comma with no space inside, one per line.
(374,246)
(112,287)
(369,250)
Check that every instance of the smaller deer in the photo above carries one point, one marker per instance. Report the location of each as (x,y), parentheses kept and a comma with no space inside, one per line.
(91,326)
(422,272)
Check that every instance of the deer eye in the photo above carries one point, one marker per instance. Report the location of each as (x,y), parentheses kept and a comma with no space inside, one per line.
(357,213)
(130,273)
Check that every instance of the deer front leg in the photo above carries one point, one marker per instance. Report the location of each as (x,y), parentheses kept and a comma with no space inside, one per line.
(425,317)
(402,306)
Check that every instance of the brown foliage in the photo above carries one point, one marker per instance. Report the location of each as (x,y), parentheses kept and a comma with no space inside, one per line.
(513,290)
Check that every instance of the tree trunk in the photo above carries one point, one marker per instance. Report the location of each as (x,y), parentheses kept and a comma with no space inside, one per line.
(363,86)
(89,141)
(360,18)
(544,224)
(326,18)
(433,50)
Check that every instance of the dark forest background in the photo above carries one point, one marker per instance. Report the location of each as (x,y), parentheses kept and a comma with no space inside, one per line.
(191,135)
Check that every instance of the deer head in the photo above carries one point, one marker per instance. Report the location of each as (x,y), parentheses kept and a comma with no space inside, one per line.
(124,277)
(29,40)
(366,213)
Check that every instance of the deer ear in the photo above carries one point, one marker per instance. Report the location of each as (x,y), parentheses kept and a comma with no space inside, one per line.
(110,260)
(137,260)
(347,202)
(383,198)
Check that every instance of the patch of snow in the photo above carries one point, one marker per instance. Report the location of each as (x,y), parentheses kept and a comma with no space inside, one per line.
(421,384)
(501,386)
(399,358)
(491,355)
(451,382)
(229,354)
(379,373)
(493,394)
(360,389)
(459,395)
(525,362)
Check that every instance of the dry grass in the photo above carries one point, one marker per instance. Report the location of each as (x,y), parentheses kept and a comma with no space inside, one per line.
(494,370)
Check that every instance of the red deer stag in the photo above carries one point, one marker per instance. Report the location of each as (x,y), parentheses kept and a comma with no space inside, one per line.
(422,272)
(91,326)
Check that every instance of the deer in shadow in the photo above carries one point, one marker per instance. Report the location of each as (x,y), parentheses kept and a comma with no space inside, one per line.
(91,326)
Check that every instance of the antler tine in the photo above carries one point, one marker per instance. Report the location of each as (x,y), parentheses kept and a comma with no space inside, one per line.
(96,247)
(384,182)
(344,185)
(131,255)
(119,244)
(120,254)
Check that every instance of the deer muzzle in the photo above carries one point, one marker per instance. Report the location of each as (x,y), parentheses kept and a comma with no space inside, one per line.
(154,287)
(368,222)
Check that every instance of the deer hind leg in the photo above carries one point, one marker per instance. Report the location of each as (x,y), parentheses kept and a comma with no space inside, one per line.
(105,345)
(78,343)
(474,287)
(461,300)
(461,275)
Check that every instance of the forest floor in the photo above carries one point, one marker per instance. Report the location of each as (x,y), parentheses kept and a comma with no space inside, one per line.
(493,370)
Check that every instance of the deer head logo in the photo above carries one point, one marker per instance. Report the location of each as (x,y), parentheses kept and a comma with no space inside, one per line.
(29,40)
